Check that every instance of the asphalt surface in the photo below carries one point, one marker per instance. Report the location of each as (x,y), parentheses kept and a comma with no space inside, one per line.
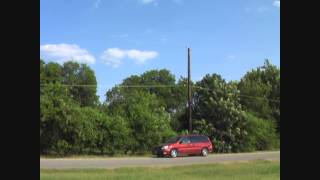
(111,163)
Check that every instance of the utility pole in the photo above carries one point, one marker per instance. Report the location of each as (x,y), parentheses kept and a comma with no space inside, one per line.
(189,93)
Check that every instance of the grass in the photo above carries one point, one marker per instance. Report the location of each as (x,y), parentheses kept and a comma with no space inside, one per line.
(264,170)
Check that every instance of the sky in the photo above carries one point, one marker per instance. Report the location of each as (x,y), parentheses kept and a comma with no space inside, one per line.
(120,38)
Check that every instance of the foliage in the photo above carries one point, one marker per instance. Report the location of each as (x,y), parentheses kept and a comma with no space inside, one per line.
(262,134)
(75,74)
(237,116)
(147,119)
(260,90)
(218,113)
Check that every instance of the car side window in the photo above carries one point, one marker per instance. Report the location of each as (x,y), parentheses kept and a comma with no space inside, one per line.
(198,139)
(205,139)
(185,140)
(195,139)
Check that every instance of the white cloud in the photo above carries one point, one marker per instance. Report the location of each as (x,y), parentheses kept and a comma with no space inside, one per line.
(114,56)
(276,3)
(115,53)
(141,56)
(66,52)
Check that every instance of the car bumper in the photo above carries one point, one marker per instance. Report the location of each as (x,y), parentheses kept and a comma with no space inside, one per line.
(210,150)
(160,152)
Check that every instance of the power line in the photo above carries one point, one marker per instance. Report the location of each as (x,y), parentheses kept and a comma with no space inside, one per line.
(241,95)
(72,85)
(146,86)
(125,86)
(256,97)
(155,86)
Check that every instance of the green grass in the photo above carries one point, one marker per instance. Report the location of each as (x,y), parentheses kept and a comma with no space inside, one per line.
(260,170)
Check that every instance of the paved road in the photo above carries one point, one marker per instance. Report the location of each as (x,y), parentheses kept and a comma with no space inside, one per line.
(111,163)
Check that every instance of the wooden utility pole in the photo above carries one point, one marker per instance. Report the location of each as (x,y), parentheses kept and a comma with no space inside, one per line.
(189,92)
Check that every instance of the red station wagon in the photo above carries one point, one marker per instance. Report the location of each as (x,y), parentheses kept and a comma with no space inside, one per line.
(185,145)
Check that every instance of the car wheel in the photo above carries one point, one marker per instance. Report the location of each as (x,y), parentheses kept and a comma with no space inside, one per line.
(174,153)
(204,152)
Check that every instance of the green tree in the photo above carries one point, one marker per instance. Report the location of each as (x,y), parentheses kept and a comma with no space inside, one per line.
(180,117)
(166,94)
(236,115)
(147,119)
(52,72)
(76,74)
(262,134)
(57,122)
(218,114)
(260,92)
(42,71)
(162,84)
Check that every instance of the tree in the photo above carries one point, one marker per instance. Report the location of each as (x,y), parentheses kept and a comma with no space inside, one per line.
(155,78)
(180,116)
(161,83)
(58,123)
(147,119)
(64,126)
(260,92)
(262,134)
(218,114)
(52,73)
(237,116)
(42,71)
(76,74)
(165,95)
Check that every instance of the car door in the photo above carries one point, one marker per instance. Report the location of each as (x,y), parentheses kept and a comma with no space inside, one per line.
(184,145)
(195,144)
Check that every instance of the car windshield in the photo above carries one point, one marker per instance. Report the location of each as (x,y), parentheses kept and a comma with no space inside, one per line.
(173,140)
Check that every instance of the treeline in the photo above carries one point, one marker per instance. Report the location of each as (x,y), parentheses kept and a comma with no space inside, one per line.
(145,110)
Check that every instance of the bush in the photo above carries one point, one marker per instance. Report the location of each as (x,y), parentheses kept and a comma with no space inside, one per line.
(221,146)
(113,136)
(148,122)
(261,134)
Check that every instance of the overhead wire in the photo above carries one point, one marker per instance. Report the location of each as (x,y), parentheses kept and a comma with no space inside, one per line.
(155,86)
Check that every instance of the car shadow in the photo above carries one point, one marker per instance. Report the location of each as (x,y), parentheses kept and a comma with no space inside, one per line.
(180,156)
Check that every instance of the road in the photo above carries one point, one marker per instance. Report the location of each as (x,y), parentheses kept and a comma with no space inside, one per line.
(111,163)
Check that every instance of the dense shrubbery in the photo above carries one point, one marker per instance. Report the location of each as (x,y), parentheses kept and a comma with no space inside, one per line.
(133,120)
(262,134)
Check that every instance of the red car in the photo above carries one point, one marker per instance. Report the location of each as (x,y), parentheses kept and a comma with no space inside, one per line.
(185,145)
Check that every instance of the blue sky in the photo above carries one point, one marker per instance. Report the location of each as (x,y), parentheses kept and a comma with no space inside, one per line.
(119,38)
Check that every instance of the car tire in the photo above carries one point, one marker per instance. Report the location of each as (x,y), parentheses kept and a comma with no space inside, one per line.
(204,152)
(174,153)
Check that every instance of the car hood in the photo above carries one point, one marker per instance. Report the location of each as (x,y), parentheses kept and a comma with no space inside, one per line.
(166,144)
